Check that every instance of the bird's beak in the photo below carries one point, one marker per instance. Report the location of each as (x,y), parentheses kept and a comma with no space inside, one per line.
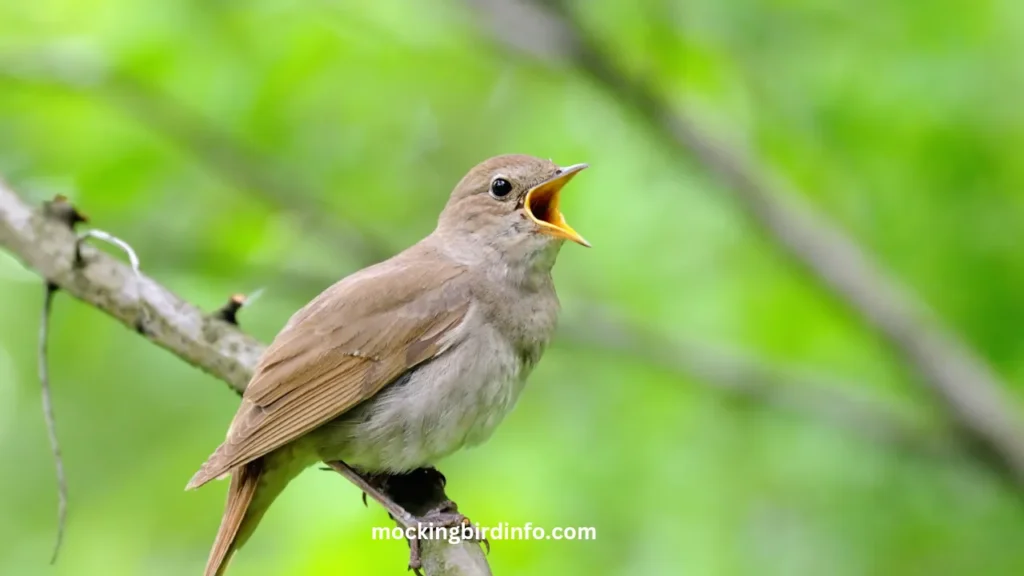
(542,205)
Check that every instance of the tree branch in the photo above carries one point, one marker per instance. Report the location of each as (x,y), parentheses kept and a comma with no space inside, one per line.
(746,379)
(966,386)
(48,246)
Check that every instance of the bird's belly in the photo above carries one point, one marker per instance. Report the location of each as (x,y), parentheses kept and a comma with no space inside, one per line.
(455,400)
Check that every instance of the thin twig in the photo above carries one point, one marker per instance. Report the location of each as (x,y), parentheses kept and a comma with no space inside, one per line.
(62,210)
(229,311)
(110,238)
(51,422)
(133,258)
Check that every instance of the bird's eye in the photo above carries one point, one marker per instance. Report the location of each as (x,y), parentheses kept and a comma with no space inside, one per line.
(500,187)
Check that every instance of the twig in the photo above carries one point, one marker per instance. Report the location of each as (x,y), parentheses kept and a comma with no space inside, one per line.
(748,379)
(110,238)
(967,387)
(48,247)
(51,422)
(143,318)
(229,311)
(61,210)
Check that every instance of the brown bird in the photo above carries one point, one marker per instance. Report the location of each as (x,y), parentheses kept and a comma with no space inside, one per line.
(404,362)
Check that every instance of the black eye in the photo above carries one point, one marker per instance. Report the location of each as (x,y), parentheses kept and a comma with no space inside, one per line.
(500,187)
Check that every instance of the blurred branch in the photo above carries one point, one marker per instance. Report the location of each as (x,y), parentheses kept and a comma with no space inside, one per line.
(967,387)
(748,379)
(211,147)
(48,246)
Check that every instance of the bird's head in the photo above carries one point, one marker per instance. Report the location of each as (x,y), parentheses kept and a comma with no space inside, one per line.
(511,203)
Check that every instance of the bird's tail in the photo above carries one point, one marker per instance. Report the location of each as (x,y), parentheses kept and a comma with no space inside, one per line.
(254,487)
(239,520)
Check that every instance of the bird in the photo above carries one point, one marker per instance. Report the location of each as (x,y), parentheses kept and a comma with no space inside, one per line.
(404,362)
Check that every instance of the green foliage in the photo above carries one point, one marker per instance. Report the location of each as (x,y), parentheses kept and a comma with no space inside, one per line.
(900,122)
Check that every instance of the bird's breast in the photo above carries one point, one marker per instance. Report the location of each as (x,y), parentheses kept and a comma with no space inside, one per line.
(454,400)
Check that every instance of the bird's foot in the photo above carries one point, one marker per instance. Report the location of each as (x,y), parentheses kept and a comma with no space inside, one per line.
(398,493)
(447,517)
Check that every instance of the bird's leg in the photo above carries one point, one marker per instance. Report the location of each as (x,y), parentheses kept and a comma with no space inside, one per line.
(380,482)
(403,517)
(414,500)
(374,485)
(426,497)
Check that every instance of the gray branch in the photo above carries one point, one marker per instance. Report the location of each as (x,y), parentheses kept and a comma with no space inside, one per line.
(967,387)
(48,247)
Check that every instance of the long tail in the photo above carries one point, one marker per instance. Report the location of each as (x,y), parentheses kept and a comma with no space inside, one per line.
(245,481)
(254,487)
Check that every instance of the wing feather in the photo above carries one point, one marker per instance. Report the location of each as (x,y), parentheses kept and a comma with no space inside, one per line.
(339,350)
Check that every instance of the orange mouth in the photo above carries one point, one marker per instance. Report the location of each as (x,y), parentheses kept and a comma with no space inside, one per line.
(542,206)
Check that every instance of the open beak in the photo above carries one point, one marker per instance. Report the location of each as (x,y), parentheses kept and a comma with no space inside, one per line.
(542,205)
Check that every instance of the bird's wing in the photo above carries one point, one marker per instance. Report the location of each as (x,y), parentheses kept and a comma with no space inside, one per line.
(340,349)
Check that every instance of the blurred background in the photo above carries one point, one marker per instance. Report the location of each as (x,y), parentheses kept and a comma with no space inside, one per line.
(711,407)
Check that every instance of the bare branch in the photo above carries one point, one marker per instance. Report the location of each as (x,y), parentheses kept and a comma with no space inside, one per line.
(50,248)
(967,387)
(749,379)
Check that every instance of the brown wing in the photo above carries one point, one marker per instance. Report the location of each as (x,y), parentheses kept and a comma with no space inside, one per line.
(340,349)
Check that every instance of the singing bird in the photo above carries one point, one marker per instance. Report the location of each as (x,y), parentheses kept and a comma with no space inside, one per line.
(406,361)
